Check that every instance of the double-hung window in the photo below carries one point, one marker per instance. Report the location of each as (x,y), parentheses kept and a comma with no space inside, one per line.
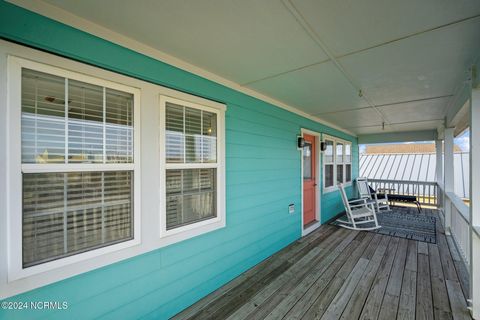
(348,162)
(192,150)
(78,164)
(329,164)
(337,162)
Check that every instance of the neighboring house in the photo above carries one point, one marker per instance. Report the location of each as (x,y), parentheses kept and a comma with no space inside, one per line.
(143,187)
(412,162)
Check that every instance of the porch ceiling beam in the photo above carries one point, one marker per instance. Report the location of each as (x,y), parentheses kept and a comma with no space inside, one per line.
(408,136)
(458,111)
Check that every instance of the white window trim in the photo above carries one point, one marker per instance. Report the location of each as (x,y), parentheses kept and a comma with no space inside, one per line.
(336,140)
(15,267)
(194,229)
(148,122)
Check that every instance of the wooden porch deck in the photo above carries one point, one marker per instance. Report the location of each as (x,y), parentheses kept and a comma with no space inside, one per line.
(335,273)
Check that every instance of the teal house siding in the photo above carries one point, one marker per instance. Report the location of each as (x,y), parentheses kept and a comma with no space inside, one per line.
(263,176)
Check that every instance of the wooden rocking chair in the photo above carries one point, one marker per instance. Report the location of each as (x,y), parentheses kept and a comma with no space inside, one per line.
(358,213)
(380,199)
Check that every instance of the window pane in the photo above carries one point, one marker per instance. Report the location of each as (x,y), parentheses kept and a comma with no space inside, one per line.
(174,134)
(85,122)
(118,126)
(307,161)
(339,173)
(191,135)
(43,118)
(339,152)
(68,213)
(209,138)
(43,121)
(348,153)
(329,175)
(191,196)
(329,151)
(348,173)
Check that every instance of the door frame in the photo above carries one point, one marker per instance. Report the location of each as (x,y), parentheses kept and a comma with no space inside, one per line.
(317,224)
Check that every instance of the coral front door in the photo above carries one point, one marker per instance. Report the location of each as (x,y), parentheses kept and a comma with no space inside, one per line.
(309,180)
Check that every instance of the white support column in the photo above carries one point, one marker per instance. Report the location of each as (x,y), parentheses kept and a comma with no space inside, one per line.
(439,170)
(475,203)
(449,184)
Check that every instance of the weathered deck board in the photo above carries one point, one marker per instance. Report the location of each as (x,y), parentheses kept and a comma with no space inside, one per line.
(441,305)
(424,307)
(241,283)
(342,274)
(375,296)
(392,293)
(261,304)
(357,301)
(457,300)
(297,311)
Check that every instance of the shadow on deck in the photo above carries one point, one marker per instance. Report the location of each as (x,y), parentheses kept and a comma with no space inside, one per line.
(334,273)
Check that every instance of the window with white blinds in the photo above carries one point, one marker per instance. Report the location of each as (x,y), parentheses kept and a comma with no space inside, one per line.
(348,162)
(328,163)
(191,163)
(337,162)
(77,166)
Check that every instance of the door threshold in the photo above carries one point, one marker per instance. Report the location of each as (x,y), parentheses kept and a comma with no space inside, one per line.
(310,227)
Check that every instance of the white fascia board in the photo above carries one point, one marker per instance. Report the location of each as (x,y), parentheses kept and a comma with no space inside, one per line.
(408,136)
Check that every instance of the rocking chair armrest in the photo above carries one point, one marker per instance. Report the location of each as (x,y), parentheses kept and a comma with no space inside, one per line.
(364,200)
(360,205)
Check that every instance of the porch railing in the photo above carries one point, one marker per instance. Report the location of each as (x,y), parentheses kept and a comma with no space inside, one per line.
(425,191)
(459,224)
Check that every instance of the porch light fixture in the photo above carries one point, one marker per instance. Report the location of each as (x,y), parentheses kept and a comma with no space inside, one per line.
(323,146)
(300,142)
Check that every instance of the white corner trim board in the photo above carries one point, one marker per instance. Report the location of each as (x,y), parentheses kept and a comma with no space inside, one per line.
(70,19)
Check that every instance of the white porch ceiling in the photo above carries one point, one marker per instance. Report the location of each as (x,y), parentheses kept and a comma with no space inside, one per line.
(408,57)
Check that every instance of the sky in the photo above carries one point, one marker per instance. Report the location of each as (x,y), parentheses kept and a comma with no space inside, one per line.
(462,140)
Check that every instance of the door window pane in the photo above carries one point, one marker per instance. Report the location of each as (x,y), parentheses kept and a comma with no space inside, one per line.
(307,161)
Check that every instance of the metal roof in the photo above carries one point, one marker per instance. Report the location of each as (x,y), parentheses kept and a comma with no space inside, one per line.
(414,167)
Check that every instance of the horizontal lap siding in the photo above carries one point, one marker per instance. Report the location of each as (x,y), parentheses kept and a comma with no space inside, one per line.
(263,176)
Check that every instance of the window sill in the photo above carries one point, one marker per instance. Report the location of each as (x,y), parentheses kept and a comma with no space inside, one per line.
(335,188)
(17,272)
(169,237)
